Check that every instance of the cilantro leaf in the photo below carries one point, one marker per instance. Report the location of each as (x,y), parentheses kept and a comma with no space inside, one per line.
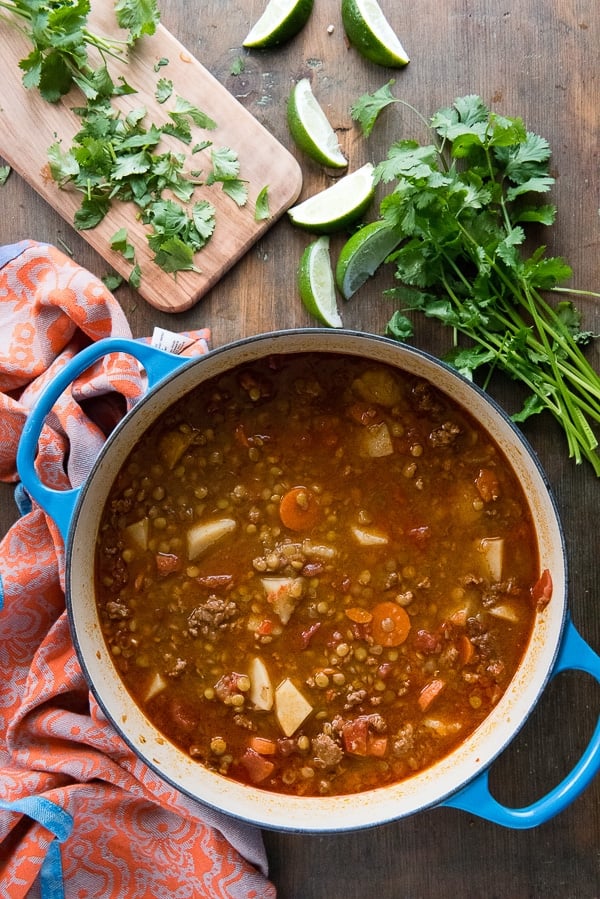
(138,16)
(261,208)
(367,108)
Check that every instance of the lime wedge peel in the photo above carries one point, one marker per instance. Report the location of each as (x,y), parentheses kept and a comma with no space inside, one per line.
(363,254)
(338,206)
(369,31)
(311,129)
(280,22)
(316,283)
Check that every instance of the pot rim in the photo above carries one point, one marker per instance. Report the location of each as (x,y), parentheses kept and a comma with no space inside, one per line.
(340,813)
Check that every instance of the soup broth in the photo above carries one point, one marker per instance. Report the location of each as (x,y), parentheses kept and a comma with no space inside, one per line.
(316,574)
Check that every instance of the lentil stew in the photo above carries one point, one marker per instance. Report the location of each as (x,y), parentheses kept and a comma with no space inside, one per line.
(317,574)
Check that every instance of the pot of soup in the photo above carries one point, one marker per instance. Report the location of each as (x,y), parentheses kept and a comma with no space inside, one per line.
(316,580)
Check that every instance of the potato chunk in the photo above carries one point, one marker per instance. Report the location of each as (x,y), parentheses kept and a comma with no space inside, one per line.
(206,533)
(283,594)
(291,708)
(261,693)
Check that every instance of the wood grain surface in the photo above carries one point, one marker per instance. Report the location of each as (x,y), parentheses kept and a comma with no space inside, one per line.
(31,125)
(537,59)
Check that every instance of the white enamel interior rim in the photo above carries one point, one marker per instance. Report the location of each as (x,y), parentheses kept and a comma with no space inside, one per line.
(260,807)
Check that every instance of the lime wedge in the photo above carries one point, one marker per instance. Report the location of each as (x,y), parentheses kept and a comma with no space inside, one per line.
(311,129)
(281,20)
(370,32)
(362,254)
(316,283)
(338,206)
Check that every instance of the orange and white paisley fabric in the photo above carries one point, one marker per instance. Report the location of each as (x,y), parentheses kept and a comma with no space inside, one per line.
(75,803)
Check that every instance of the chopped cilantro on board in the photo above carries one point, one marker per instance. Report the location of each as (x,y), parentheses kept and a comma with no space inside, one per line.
(461,205)
(60,38)
(117,157)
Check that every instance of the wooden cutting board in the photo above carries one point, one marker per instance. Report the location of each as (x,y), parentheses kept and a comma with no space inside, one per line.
(29,125)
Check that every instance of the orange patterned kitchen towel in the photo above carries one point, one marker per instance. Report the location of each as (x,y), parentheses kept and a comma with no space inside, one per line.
(80,815)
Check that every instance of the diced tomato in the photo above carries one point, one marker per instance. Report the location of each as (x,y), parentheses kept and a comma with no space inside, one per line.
(542,590)
(265,628)
(377,745)
(167,563)
(307,635)
(357,739)
(257,768)
(354,736)
(487,485)
(364,414)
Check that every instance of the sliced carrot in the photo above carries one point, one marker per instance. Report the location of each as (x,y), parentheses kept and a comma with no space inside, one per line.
(299,509)
(430,691)
(542,590)
(466,650)
(390,624)
(359,615)
(263,745)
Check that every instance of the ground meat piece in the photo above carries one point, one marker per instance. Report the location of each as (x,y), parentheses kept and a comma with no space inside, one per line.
(326,752)
(177,668)
(424,399)
(404,740)
(211,616)
(117,610)
(354,698)
(445,435)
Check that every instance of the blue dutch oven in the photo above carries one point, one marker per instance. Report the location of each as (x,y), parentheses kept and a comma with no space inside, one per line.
(461,779)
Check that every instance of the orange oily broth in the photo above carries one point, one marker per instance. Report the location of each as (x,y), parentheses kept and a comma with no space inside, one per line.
(415,507)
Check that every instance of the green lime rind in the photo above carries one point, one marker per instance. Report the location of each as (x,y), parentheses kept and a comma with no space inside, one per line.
(310,128)
(337,207)
(316,283)
(279,23)
(370,33)
(363,254)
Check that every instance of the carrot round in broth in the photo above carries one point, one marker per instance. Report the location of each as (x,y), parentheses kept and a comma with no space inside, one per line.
(390,624)
(299,509)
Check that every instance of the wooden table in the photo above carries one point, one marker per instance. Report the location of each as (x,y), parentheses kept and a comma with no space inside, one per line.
(534,58)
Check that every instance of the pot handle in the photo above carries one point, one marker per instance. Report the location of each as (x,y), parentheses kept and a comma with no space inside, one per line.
(574,654)
(59,504)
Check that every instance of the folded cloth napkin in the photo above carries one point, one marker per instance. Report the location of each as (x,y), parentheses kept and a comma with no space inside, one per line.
(80,815)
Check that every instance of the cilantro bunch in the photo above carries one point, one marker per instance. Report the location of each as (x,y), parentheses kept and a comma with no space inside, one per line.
(118,157)
(60,37)
(461,204)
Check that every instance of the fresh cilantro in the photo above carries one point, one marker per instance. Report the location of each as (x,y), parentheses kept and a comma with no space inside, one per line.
(120,244)
(60,38)
(367,108)
(139,17)
(261,208)
(5,171)
(161,63)
(236,190)
(164,89)
(135,276)
(112,281)
(460,204)
(238,65)
(226,165)
(117,157)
